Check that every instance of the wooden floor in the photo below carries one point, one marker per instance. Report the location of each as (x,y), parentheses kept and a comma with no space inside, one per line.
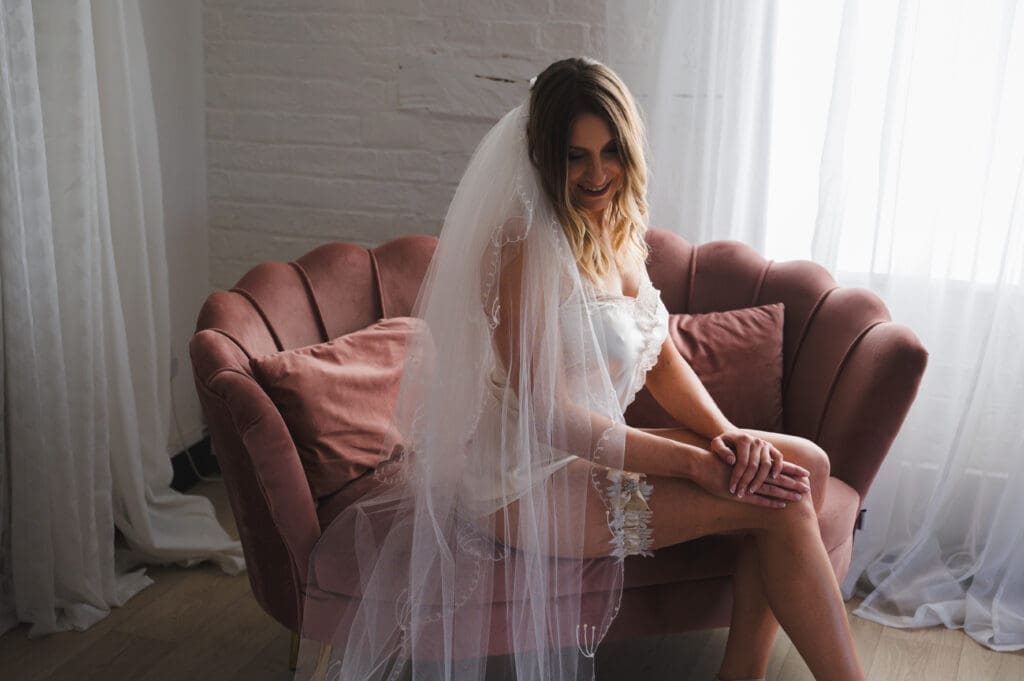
(199,625)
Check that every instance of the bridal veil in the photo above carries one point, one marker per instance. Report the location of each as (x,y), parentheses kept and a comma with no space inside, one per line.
(505,382)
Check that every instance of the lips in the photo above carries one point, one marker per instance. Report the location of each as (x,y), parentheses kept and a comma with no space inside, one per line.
(599,191)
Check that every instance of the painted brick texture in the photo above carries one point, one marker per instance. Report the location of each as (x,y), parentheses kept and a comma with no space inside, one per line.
(354,119)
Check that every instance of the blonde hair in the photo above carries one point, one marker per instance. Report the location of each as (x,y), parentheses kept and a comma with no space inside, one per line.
(563,91)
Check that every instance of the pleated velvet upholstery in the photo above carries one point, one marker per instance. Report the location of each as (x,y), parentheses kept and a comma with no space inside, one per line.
(849,377)
(849,374)
(332,290)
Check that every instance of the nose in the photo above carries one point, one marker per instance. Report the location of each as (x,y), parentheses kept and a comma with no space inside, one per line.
(595,171)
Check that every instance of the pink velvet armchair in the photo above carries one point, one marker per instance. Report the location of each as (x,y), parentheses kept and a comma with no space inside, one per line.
(849,377)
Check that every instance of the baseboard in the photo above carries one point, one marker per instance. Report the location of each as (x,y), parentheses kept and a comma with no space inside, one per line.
(205,462)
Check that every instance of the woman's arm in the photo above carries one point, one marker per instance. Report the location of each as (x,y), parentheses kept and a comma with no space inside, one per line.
(676,387)
(679,391)
(652,454)
(581,428)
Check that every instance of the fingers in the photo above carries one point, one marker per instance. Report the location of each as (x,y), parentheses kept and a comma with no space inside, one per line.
(790,468)
(762,500)
(762,471)
(773,495)
(753,466)
(787,482)
(778,493)
(742,446)
(777,462)
(723,450)
(754,462)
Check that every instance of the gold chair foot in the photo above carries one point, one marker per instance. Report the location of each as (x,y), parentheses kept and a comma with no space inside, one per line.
(293,653)
(323,660)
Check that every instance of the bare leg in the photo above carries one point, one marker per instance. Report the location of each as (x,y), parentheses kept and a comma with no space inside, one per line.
(753,626)
(796,575)
(797,578)
(804,595)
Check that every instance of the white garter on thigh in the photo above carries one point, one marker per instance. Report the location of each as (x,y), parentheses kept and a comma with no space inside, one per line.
(629,514)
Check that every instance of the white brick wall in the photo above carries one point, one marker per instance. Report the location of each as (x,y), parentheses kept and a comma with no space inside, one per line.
(354,119)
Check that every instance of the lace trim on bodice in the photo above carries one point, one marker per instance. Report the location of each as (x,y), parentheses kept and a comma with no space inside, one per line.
(652,320)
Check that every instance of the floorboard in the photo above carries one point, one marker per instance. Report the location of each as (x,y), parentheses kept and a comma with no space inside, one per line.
(199,624)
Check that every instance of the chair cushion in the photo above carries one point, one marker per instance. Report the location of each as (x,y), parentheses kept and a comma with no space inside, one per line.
(738,356)
(337,397)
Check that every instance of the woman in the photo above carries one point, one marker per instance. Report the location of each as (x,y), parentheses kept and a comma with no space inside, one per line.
(518,488)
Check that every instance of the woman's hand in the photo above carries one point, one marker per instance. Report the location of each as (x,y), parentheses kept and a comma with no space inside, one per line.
(755,463)
(713,473)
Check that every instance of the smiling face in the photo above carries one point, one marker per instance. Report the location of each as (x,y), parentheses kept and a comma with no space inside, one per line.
(586,140)
(594,168)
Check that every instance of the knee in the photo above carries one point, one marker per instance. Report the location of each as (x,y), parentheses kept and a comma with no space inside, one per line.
(812,457)
(800,511)
(816,461)
(822,463)
(797,518)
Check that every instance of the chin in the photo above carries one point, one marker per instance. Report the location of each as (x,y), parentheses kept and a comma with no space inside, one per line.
(595,209)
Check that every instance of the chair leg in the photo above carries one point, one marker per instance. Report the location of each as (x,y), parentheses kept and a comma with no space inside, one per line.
(293,654)
(322,661)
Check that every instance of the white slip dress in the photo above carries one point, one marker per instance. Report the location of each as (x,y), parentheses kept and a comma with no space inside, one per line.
(631,331)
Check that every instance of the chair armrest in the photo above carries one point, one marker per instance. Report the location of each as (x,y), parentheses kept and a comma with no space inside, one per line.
(854,377)
(267,487)
(872,395)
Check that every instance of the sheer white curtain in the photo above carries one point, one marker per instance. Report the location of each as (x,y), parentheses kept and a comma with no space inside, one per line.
(922,199)
(896,159)
(701,72)
(83,295)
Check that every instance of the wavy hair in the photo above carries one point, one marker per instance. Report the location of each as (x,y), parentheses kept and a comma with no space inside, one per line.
(563,91)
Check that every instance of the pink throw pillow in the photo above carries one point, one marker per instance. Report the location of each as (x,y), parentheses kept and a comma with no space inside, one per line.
(738,356)
(337,397)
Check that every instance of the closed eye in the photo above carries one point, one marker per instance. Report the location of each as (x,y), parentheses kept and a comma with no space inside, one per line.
(575,155)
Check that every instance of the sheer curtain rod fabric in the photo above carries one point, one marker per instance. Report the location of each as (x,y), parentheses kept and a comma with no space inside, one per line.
(895,158)
(707,100)
(930,213)
(85,316)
